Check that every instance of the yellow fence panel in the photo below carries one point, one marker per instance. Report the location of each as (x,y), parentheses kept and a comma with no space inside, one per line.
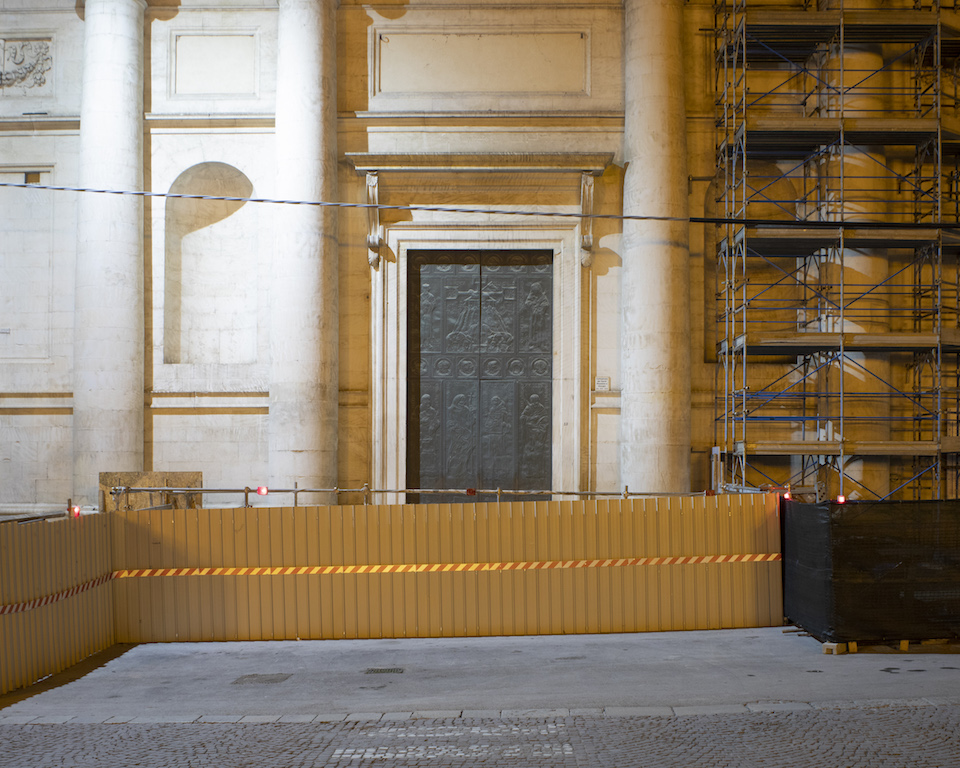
(71,587)
(56,601)
(444,570)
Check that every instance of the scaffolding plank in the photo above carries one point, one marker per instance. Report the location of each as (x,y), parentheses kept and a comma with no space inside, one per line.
(892,448)
(791,241)
(838,447)
(876,237)
(788,448)
(784,239)
(805,342)
(895,25)
(792,130)
(889,130)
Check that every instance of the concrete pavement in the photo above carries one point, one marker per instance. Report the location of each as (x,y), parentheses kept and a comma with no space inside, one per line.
(742,697)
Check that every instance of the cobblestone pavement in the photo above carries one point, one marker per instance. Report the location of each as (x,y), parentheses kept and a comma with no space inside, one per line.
(877,735)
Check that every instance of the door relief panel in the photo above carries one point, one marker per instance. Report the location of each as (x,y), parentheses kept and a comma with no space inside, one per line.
(480,372)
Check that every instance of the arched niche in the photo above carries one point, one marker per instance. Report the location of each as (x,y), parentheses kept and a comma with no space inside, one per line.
(210,274)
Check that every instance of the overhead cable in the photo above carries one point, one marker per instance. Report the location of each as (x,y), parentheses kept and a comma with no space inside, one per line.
(718,220)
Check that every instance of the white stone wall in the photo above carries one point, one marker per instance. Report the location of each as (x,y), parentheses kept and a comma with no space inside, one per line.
(35,425)
(418,77)
(39,103)
(209,106)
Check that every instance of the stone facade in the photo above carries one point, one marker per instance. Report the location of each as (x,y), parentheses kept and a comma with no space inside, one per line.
(257,342)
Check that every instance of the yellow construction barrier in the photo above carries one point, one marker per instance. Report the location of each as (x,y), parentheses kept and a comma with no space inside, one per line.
(431,570)
(56,599)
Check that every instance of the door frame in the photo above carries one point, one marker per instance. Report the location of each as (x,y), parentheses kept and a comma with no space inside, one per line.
(388,302)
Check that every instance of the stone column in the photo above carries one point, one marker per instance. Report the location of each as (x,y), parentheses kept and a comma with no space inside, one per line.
(655,291)
(303,289)
(108,306)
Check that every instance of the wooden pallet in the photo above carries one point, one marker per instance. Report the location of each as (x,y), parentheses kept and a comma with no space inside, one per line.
(837,649)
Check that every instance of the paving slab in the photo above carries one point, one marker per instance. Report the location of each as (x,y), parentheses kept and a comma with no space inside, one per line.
(539,714)
(586,712)
(49,719)
(436,714)
(480,714)
(779,706)
(711,709)
(638,711)
(86,719)
(163,719)
(300,718)
(220,718)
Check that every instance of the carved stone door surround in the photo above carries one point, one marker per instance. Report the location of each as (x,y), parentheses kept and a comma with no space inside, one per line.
(391,243)
(389,340)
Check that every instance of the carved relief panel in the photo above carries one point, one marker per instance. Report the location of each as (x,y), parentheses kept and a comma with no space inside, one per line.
(25,65)
(480,373)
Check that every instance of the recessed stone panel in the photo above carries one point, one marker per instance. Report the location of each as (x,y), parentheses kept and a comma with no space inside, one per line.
(420,62)
(215,65)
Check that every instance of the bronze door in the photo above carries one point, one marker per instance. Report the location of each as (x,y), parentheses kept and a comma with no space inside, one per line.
(479,382)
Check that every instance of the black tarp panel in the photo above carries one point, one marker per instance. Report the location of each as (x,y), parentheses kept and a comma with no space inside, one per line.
(873,571)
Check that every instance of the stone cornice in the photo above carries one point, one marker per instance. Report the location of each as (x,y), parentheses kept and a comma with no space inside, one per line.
(40,123)
(210,120)
(494,162)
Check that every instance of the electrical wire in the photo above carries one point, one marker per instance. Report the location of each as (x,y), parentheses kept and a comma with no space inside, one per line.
(718,220)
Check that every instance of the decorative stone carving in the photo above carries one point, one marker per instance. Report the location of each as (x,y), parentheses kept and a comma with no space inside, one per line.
(374,228)
(586,223)
(24,63)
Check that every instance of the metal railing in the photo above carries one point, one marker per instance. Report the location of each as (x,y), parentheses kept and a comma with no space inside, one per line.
(123,493)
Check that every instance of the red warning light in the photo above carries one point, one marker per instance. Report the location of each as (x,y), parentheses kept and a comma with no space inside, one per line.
(74,511)
(841,499)
(787,495)
(262,490)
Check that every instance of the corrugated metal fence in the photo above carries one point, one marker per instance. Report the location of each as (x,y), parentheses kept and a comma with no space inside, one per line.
(56,599)
(441,570)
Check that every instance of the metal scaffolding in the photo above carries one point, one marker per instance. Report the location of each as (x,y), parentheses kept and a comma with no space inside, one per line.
(837,287)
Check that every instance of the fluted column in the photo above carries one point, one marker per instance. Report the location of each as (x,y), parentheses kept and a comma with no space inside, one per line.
(108,308)
(655,293)
(303,301)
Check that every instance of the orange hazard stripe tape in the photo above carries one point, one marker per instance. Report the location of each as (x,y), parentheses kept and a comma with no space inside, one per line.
(530,565)
(327,570)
